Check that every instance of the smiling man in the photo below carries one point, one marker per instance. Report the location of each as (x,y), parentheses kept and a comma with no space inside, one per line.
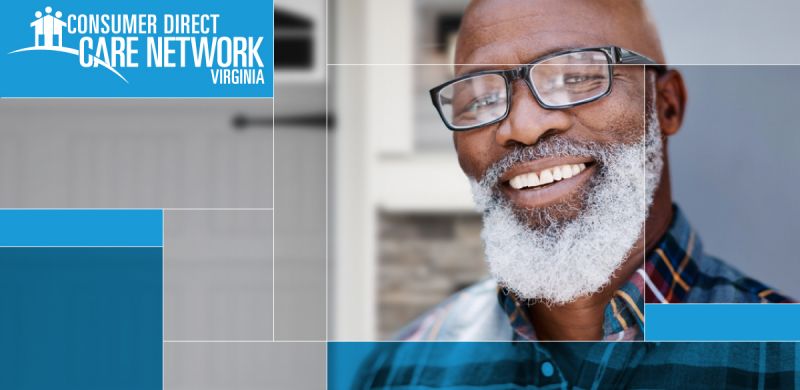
(560,113)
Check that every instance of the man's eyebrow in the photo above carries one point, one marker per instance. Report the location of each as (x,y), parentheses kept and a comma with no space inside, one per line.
(469,68)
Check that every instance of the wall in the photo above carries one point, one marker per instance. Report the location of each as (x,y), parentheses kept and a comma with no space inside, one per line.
(424,258)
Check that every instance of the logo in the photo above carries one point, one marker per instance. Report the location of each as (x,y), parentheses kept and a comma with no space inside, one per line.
(121,42)
(46,28)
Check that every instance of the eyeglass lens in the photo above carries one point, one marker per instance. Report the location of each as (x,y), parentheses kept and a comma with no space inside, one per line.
(559,81)
(571,78)
(474,101)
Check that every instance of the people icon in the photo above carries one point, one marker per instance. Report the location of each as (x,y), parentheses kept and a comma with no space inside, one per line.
(47,26)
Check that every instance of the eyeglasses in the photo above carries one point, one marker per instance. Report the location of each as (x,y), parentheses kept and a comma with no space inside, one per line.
(559,80)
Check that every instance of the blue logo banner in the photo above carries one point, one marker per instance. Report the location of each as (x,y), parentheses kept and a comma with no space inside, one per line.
(128,48)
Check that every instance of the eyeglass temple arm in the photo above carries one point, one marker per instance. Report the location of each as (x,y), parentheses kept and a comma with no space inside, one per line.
(628,57)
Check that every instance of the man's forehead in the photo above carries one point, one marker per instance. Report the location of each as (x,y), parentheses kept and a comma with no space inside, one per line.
(518,31)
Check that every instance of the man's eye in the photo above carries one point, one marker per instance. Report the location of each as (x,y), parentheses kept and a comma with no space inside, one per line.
(581,78)
(483,101)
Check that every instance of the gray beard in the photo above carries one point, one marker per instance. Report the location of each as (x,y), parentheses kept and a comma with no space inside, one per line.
(559,261)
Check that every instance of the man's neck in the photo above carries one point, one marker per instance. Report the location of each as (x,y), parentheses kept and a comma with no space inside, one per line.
(583,318)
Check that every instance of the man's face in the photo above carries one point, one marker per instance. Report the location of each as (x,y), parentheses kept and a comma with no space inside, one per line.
(563,237)
(501,34)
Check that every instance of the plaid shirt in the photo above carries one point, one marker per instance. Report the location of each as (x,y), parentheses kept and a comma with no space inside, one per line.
(563,365)
(676,271)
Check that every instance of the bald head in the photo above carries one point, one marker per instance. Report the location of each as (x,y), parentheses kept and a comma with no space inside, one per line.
(518,31)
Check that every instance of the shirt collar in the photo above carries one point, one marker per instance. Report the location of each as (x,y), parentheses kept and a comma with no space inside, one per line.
(671,267)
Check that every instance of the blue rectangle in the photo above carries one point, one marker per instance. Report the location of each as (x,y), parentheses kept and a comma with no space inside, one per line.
(723,322)
(37,61)
(130,228)
(81,318)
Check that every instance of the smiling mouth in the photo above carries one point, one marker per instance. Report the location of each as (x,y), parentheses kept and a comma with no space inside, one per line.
(548,181)
(546,176)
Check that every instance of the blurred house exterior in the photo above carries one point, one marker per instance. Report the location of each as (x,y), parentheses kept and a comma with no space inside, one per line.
(405,232)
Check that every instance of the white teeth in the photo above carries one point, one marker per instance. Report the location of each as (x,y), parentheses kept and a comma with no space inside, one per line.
(566,171)
(546,176)
(557,173)
(516,183)
(533,180)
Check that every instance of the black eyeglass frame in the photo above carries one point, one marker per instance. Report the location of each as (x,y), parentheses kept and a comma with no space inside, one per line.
(615,55)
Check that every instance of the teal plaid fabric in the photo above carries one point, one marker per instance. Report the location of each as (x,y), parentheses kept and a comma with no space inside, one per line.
(592,365)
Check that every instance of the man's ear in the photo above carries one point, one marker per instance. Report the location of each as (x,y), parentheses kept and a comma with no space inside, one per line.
(670,101)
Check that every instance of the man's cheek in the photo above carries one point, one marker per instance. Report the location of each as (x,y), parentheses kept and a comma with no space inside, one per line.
(614,124)
(468,166)
(471,155)
(614,116)
(628,113)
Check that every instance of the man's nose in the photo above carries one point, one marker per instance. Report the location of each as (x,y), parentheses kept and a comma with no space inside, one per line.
(528,121)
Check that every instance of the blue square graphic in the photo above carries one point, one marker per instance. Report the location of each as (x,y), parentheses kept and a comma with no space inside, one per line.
(81,318)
